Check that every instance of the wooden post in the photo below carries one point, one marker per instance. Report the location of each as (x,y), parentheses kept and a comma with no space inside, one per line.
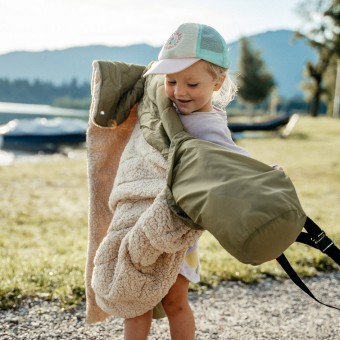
(336,104)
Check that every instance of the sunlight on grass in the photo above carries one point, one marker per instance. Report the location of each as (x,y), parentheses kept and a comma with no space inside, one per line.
(43,216)
(43,241)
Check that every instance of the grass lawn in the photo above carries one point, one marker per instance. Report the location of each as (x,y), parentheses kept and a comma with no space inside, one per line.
(43,216)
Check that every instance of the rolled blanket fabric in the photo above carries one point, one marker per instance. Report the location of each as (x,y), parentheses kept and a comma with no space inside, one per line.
(140,257)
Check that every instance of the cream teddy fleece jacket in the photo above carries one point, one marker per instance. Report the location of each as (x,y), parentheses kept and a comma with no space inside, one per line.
(139,258)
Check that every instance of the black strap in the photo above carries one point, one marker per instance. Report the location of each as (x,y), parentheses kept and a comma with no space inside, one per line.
(296,279)
(315,237)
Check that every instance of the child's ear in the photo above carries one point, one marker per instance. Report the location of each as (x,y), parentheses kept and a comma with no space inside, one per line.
(219,82)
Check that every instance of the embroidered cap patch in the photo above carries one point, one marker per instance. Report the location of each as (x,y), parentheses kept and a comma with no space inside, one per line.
(173,40)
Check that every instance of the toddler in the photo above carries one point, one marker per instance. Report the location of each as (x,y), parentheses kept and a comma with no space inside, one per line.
(194,61)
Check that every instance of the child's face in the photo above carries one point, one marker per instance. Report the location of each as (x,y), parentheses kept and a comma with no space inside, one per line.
(192,89)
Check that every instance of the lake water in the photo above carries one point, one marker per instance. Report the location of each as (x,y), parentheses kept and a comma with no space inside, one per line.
(10,111)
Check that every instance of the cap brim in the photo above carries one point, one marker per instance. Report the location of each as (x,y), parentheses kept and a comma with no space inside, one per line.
(169,66)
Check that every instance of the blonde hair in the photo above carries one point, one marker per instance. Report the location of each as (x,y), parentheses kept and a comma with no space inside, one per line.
(228,90)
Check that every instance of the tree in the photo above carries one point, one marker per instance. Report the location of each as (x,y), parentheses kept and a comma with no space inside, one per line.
(334,14)
(254,81)
(42,92)
(322,33)
(330,80)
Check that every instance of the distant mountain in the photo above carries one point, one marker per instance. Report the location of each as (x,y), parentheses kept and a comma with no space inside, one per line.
(63,65)
(284,58)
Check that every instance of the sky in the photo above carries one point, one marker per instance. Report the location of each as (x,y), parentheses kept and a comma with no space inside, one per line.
(36,25)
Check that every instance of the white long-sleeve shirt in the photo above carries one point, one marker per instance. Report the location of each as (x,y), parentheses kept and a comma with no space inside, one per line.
(211,126)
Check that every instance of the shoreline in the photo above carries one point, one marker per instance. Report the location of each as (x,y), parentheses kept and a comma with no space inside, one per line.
(10,157)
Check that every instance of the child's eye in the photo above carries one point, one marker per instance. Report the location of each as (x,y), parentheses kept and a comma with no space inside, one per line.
(192,85)
(171,82)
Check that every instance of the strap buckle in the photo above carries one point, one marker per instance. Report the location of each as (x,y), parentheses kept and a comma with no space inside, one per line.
(323,242)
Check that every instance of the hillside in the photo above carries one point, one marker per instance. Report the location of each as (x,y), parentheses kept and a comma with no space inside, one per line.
(284,58)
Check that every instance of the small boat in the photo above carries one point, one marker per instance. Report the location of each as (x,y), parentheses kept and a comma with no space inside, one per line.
(42,134)
(268,125)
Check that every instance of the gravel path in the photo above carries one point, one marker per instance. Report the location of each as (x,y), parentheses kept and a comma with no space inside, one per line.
(268,310)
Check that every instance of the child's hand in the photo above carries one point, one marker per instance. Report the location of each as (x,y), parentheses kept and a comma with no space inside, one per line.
(277,167)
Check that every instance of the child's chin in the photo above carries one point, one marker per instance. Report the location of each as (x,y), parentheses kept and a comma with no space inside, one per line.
(186,113)
(184,110)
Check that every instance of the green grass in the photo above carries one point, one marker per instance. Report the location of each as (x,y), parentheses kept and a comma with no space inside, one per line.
(43,217)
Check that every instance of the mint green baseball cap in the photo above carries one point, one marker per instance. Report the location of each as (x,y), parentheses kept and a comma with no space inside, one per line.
(188,44)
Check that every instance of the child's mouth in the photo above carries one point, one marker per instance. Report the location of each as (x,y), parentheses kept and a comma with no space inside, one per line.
(183,101)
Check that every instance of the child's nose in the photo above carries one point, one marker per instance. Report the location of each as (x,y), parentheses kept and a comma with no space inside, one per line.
(179,91)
